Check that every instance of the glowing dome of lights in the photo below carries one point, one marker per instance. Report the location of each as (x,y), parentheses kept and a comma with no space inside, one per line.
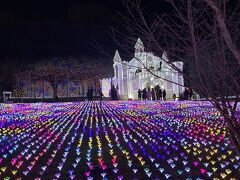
(115,140)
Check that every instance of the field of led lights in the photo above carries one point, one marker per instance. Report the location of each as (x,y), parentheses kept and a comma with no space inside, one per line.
(115,140)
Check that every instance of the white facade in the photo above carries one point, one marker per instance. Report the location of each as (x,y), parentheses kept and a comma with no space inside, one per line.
(131,76)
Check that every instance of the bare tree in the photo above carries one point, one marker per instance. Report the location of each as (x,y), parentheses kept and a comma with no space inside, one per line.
(88,70)
(219,9)
(201,33)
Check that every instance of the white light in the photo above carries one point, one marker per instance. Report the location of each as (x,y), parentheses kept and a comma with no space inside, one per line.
(151,78)
(130,96)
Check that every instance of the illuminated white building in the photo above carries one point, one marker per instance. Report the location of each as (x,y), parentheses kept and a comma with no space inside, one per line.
(131,76)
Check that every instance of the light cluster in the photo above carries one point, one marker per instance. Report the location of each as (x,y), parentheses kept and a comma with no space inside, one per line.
(115,140)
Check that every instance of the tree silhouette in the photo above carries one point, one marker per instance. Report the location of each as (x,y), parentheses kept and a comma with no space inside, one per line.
(203,35)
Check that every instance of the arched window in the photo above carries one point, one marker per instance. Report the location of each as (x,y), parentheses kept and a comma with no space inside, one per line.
(116,68)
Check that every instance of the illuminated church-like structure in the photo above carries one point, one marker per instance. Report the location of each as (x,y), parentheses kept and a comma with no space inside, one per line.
(131,76)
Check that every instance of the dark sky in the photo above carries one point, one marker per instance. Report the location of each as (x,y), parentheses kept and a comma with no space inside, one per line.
(68,11)
(64,11)
(32,28)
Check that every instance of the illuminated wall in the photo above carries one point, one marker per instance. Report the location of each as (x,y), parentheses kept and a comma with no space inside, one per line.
(131,76)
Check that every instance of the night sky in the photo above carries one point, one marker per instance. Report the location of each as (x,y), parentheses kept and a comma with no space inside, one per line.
(30,29)
(60,11)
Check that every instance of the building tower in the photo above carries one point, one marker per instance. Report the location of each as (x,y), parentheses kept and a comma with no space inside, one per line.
(139,48)
(118,73)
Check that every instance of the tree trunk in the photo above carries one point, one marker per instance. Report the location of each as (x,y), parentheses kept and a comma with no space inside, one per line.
(55,88)
(67,88)
(219,16)
(234,130)
(235,141)
(43,89)
(34,90)
(54,85)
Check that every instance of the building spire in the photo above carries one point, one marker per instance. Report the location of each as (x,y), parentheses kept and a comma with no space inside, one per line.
(117,57)
(139,48)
